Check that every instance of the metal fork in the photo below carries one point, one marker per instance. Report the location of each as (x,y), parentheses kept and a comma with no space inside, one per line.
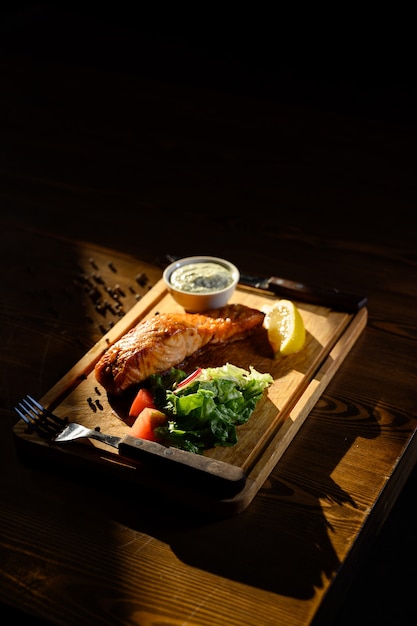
(219,477)
(57,429)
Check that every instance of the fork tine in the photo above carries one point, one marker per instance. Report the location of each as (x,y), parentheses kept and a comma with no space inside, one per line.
(23,416)
(33,421)
(36,416)
(44,411)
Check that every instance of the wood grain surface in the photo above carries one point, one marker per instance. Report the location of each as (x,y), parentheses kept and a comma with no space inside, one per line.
(105,168)
(298,382)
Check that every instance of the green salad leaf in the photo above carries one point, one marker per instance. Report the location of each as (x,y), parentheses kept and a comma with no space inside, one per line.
(204,412)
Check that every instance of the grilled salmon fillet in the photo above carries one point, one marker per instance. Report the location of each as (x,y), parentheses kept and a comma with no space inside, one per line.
(165,340)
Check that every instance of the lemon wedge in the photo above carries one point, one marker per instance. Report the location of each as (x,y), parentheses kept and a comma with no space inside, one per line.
(285,327)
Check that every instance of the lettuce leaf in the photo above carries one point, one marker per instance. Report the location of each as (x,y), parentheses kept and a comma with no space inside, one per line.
(205,413)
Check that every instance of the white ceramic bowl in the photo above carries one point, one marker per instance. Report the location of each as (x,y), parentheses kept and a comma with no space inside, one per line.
(200,283)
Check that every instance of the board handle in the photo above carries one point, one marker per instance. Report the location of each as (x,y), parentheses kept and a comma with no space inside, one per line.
(197,471)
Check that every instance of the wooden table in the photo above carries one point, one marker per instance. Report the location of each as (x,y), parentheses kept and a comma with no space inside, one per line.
(103,175)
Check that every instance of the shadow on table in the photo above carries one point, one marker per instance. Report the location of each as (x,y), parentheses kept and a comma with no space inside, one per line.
(281,543)
(294,546)
(12,615)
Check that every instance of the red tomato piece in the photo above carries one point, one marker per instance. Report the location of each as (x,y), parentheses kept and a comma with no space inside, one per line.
(142,401)
(147,420)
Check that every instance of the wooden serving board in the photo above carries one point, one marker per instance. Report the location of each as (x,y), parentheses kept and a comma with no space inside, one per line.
(299,380)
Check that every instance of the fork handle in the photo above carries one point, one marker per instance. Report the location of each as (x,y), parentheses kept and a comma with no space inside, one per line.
(218,478)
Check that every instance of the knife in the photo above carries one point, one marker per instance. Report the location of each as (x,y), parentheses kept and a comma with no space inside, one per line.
(209,475)
(332,298)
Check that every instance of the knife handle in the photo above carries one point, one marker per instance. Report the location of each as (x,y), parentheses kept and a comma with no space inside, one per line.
(195,470)
(332,298)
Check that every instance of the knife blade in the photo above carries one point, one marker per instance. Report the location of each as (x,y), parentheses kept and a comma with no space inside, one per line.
(285,288)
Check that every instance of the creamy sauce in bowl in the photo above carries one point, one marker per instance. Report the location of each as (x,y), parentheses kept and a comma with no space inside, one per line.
(202,277)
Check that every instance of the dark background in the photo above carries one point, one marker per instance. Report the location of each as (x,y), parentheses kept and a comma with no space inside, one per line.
(344,59)
(346,63)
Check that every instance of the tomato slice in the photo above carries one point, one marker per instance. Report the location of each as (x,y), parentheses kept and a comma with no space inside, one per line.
(143,400)
(145,423)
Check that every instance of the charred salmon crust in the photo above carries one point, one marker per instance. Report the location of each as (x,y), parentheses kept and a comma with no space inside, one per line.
(156,344)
